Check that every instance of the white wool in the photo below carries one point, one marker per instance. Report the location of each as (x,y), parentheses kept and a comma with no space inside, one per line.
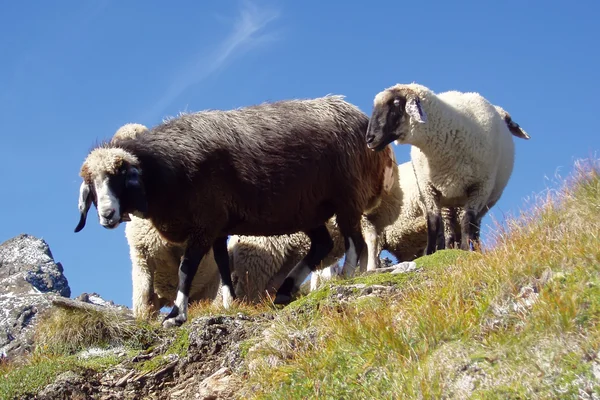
(155,268)
(464,144)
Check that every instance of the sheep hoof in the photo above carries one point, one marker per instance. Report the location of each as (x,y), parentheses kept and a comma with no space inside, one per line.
(282,299)
(175,318)
(284,294)
(174,322)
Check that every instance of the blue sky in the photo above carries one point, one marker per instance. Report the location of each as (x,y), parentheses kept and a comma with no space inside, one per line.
(72,72)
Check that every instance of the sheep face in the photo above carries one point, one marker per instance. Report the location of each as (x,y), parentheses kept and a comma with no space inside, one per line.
(394,110)
(111,181)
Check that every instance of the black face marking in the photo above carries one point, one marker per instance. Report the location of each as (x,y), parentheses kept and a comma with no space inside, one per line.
(385,121)
(131,197)
(116,183)
(394,116)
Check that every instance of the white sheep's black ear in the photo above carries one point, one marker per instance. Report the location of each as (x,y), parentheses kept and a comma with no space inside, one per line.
(515,129)
(85,202)
(414,109)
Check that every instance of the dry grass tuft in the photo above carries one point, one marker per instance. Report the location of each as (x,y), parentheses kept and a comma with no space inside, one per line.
(66,331)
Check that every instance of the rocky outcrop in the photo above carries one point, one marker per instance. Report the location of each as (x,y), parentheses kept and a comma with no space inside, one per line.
(29,279)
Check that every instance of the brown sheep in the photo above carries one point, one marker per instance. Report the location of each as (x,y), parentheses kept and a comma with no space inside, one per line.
(268,169)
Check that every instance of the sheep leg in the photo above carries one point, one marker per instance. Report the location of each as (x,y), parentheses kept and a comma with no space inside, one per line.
(433,216)
(315,280)
(370,256)
(321,245)
(476,232)
(187,270)
(354,244)
(477,228)
(451,227)
(277,280)
(434,225)
(222,260)
(144,299)
(469,230)
(473,212)
(441,242)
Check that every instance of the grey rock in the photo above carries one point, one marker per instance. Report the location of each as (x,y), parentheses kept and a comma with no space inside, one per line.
(67,385)
(29,279)
(403,267)
(32,257)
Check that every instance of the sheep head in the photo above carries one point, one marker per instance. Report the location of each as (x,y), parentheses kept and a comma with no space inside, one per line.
(129,131)
(393,110)
(112,182)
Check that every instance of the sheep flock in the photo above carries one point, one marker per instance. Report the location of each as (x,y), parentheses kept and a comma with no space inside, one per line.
(248,203)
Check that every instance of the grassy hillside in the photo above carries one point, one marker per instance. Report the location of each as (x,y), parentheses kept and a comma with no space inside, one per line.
(520,320)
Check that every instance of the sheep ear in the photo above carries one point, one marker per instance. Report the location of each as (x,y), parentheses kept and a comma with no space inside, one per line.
(136,192)
(85,202)
(515,129)
(414,109)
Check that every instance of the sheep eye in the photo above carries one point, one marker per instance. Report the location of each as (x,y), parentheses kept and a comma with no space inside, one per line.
(396,102)
(123,171)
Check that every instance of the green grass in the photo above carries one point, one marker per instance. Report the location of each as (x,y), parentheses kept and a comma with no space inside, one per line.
(178,346)
(520,320)
(43,370)
(311,300)
(60,334)
(439,259)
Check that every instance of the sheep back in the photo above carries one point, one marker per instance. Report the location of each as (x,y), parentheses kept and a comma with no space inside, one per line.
(275,168)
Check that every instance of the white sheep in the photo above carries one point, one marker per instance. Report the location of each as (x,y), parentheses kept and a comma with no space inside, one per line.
(261,263)
(462,151)
(155,262)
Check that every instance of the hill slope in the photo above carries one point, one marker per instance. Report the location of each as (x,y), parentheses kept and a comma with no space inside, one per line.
(520,320)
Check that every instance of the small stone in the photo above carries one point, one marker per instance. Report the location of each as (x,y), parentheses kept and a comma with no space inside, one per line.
(123,380)
(403,267)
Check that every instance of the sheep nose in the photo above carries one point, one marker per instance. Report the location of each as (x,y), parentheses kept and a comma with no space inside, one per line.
(370,138)
(110,214)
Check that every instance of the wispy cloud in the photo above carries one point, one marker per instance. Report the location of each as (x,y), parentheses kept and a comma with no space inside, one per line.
(248,32)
